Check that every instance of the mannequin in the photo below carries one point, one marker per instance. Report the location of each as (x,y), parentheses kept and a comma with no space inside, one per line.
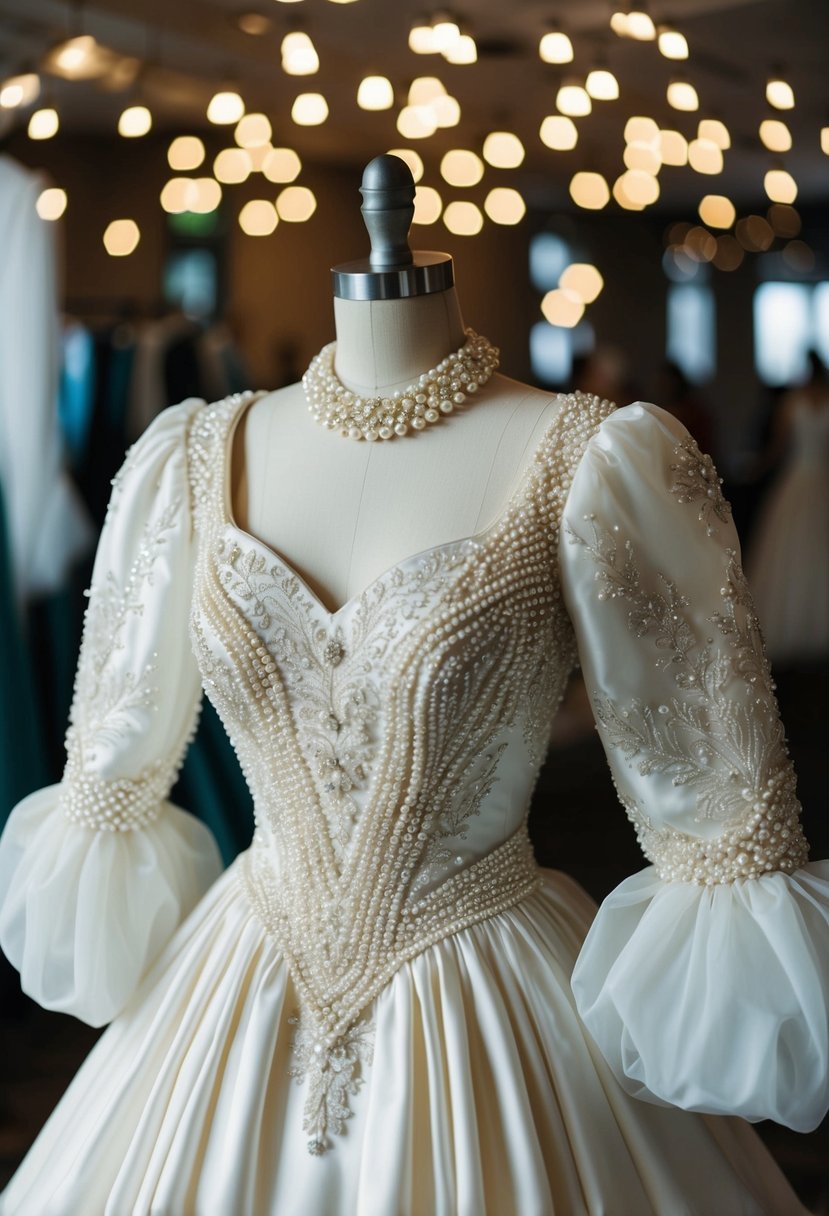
(342,512)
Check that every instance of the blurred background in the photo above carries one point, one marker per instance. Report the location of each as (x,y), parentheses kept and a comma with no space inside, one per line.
(635,197)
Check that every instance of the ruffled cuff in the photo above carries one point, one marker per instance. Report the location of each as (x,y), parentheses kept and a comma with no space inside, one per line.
(84,912)
(715,998)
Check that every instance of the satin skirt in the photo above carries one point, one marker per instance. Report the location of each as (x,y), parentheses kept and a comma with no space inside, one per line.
(485,1097)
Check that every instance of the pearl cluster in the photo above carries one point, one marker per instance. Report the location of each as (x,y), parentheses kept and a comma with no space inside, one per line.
(434,394)
(769,838)
(113,806)
(488,645)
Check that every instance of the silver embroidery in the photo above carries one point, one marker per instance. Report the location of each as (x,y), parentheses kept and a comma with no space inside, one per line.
(696,481)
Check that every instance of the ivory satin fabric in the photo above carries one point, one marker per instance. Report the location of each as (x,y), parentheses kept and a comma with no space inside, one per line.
(494,1084)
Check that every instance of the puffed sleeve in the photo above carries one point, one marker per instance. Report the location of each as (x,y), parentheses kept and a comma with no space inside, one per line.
(704,978)
(97,872)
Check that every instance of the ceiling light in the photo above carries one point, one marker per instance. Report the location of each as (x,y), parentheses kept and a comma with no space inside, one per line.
(411,158)
(640,26)
(583,280)
(416,122)
(639,155)
(421,38)
(503,150)
(573,99)
(682,96)
(445,33)
(375,93)
(281,165)
(672,44)
(559,133)
(619,23)
(555,47)
(640,187)
(309,109)
(43,124)
(232,165)
(51,203)
(704,156)
(673,148)
(463,51)
(602,85)
(504,205)
(716,131)
(80,58)
(253,131)
(779,93)
(134,122)
(463,219)
(461,167)
(258,217)
(299,56)
(780,186)
(121,238)
(19,91)
(643,129)
(775,135)
(185,152)
(563,308)
(717,211)
(428,205)
(589,190)
(296,204)
(225,108)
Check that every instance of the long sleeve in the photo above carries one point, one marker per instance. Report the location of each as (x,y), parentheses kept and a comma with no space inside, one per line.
(97,872)
(704,979)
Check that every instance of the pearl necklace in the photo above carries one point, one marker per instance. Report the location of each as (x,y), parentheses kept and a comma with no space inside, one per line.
(436,392)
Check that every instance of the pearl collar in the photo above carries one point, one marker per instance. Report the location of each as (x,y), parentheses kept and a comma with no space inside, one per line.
(434,393)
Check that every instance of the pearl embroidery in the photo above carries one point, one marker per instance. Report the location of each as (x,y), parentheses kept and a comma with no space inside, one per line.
(696,480)
(450,650)
(436,393)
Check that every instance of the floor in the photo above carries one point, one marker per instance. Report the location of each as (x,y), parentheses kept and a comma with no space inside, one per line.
(577,826)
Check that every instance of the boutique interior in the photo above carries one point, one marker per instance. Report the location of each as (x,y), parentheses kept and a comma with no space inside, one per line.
(634,198)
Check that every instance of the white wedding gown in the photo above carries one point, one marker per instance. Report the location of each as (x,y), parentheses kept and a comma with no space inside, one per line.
(384,977)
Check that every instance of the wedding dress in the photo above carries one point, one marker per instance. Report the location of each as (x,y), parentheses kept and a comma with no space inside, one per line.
(371,1012)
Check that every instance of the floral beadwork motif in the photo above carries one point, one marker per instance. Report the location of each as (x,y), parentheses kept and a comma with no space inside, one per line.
(696,481)
(372,737)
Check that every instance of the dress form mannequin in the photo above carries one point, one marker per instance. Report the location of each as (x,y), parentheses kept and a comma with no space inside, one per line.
(342,512)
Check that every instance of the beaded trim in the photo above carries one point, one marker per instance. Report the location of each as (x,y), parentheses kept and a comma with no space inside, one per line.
(113,806)
(434,394)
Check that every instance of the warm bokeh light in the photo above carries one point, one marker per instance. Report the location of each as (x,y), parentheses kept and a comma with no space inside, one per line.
(717,211)
(700,244)
(672,44)
(555,47)
(134,122)
(44,124)
(19,91)
(206,195)
(299,55)
(177,194)
(421,39)
(296,204)
(186,152)
(281,165)
(503,150)
(463,219)
(254,24)
(602,85)
(232,165)
(225,108)
(779,93)
(461,167)
(640,26)
(258,155)
(639,155)
(704,156)
(51,203)
(504,205)
(416,122)
(253,131)
(622,197)
(462,52)
(445,33)
(411,158)
(559,133)
(309,110)
(77,59)
(798,256)
(258,217)
(784,220)
(447,111)
(682,95)
(754,233)
(619,23)
(640,187)
(573,99)
(640,128)
(775,135)
(375,93)
(729,254)
(563,308)
(824,140)
(428,205)
(780,186)
(715,130)
(673,148)
(583,280)
(121,238)
(589,190)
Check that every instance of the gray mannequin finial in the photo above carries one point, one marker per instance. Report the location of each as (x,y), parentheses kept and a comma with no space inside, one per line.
(388,192)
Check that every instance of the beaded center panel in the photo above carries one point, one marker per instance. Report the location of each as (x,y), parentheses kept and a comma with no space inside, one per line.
(370,738)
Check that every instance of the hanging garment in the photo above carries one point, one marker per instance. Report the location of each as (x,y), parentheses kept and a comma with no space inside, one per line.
(384,1007)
